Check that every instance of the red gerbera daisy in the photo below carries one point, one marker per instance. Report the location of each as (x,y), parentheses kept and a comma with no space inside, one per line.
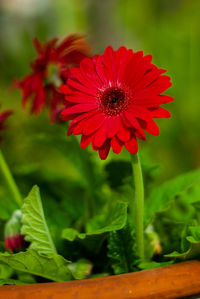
(113,98)
(3,117)
(39,86)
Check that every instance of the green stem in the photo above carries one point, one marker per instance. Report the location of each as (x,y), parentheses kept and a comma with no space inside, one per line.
(139,204)
(10,180)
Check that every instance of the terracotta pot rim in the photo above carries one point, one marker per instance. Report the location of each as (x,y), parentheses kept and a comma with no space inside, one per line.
(172,281)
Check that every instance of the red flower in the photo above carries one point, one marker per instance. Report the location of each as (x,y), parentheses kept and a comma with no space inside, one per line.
(3,117)
(38,86)
(13,240)
(114,98)
(14,243)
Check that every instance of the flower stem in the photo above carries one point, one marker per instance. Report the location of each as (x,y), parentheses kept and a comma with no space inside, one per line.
(139,204)
(10,180)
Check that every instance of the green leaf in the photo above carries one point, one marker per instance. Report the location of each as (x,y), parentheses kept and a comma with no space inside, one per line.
(71,234)
(153,265)
(10,281)
(53,267)
(112,218)
(25,277)
(34,225)
(5,272)
(81,269)
(122,252)
(194,246)
(161,197)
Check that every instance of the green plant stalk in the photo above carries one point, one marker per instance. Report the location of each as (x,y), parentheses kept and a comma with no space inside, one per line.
(10,180)
(138,209)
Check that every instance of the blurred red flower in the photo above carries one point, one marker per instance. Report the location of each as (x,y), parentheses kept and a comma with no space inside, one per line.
(3,117)
(49,70)
(14,243)
(13,240)
(113,98)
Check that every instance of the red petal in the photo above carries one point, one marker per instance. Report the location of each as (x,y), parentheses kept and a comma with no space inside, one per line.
(123,133)
(157,87)
(149,77)
(86,140)
(84,80)
(104,150)
(100,135)
(166,99)
(77,128)
(108,62)
(139,133)
(120,56)
(160,113)
(113,126)
(131,118)
(88,90)
(134,64)
(116,145)
(149,100)
(151,127)
(100,70)
(93,123)
(124,62)
(82,98)
(77,118)
(87,68)
(136,129)
(79,108)
(132,146)
(141,112)
(65,89)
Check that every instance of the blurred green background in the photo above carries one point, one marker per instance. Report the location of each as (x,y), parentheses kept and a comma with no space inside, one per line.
(38,151)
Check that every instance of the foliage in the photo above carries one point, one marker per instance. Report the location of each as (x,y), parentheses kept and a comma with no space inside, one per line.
(53,267)
(114,217)
(122,251)
(34,225)
(81,269)
(182,186)
(194,245)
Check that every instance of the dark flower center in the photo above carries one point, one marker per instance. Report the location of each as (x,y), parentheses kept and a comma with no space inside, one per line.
(113,101)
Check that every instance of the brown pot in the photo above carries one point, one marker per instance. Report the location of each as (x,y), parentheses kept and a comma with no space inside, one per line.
(173,281)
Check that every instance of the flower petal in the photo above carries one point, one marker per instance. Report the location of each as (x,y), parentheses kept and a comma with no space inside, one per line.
(151,127)
(160,113)
(116,145)
(156,87)
(132,146)
(113,126)
(88,90)
(123,133)
(79,108)
(86,140)
(104,150)
(87,67)
(80,98)
(100,135)
(93,123)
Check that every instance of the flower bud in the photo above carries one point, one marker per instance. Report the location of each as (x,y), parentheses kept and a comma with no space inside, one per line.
(13,240)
